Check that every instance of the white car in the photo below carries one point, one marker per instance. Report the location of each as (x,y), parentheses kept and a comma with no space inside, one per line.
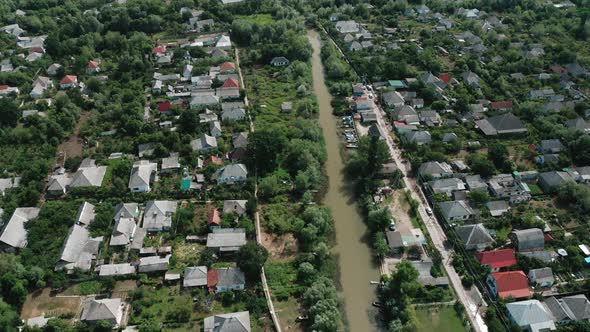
(428,211)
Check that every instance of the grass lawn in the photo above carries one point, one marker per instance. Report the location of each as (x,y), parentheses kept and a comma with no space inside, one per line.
(535,189)
(439,319)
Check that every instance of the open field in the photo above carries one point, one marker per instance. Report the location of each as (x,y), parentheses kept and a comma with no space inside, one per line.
(439,319)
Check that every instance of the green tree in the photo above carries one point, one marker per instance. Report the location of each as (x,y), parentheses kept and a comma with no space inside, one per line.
(480,197)
(498,154)
(251,258)
(9,113)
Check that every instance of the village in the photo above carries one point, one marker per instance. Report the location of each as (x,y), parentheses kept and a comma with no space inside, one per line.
(241,166)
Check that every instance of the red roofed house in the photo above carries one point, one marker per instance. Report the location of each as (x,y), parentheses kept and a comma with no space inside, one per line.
(214,219)
(501,105)
(445,78)
(69,81)
(6,90)
(159,49)
(514,284)
(557,69)
(212,279)
(164,107)
(227,68)
(229,89)
(496,259)
(213,160)
(230,83)
(92,67)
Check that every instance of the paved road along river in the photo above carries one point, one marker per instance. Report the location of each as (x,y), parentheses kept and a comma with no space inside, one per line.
(355,261)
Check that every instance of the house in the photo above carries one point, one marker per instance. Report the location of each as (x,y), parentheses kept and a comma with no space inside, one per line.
(393,99)
(406,114)
(123,231)
(430,118)
(205,143)
(546,94)
(215,129)
(496,259)
(236,206)
(212,160)
(569,309)
(578,124)
(53,69)
(445,186)
(551,146)
(80,249)
(202,100)
(475,237)
(505,186)
(142,174)
(502,124)
(398,242)
(236,114)
(225,279)
(347,27)
(551,181)
(68,81)
(279,61)
(40,85)
(15,234)
(58,184)
(88,174)
(531,239)
(6,90)
(223,41)
(471,79)
(449,138)
(232,173)
(226,240)
(195,276)
(227,68)
(232,322)
(92,67)
(110,310)
(158,215)
(542,277)
(531,316)
(453,211)
(497,208)
(170,164)
(240,140)
(419,137)
(9,183)
(111,270)
(154,264)
(510,284)
(213,219)
(501,105)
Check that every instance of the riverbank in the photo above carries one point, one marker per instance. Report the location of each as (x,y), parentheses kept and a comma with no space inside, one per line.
(354,255)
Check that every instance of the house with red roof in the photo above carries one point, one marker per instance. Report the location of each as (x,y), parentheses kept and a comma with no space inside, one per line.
(230,83)
(159,49)
(510,284)
(92,67)
(69,81)
(501,105)
(496,259)
(230,89)
(213,160)
(214,218)
(165,107)
(6,90)
(225,279)
(227,68)
(445,78)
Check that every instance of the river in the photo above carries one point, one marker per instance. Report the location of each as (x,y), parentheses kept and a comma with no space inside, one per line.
(354,255)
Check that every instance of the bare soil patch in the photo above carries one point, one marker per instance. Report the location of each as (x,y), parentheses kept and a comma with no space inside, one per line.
(281,247)
(122,288)
(44,303)
(74,146)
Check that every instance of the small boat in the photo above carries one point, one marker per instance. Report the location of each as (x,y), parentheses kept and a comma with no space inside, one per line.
(377,304)
(373,282)
(352,146)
